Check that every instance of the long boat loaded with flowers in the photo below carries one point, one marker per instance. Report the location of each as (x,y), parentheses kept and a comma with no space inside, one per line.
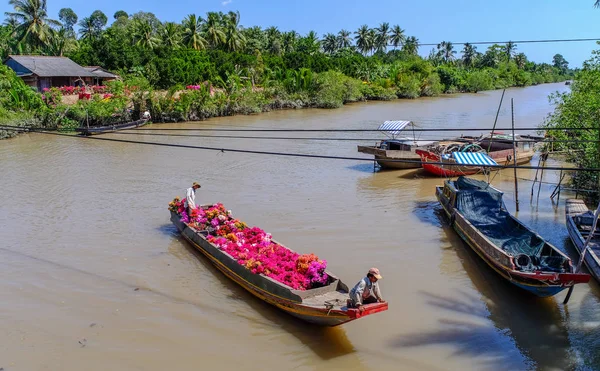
(297,284)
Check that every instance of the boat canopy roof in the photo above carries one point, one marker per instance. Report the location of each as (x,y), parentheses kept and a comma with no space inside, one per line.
(473,158)
(393,128)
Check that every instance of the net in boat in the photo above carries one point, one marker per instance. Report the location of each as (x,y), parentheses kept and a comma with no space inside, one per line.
(483,206)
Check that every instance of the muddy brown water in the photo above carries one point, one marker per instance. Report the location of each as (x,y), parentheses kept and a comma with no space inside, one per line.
(94,277)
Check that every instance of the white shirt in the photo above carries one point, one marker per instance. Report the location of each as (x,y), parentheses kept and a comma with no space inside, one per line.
(190,198)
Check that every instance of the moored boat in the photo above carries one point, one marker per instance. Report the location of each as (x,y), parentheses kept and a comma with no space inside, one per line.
(500,148)
(396,152)
(93,130)
(324,306)
(579,220)
(518,254)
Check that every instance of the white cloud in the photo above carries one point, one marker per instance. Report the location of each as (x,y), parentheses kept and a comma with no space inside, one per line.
(224,3)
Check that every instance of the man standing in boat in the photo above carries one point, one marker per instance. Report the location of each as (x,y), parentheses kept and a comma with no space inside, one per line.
(190,198)
(367,290)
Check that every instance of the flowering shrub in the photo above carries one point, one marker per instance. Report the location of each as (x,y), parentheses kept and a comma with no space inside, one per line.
(253,248)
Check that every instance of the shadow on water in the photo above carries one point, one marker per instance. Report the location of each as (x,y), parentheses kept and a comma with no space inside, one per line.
(326,342)
(366,167)
(535,325)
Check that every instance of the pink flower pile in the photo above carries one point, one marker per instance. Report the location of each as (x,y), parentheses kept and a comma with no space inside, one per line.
(254,249)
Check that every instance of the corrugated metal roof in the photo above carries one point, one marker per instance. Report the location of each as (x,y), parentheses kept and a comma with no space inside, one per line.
(393,127)
(473,158)
(100,72)
(51,66)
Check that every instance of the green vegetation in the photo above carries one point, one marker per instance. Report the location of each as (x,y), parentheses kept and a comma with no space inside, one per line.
(580,109)
(250,69)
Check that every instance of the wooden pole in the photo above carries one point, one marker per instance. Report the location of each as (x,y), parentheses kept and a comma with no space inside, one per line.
(512,110)
(496,121)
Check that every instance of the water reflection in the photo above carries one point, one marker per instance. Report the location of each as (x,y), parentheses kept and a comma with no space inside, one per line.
(536,325)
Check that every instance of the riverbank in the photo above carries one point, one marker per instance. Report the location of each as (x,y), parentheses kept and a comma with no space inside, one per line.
(122,102)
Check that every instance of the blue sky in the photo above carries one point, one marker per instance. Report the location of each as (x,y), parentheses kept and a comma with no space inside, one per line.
(430,21)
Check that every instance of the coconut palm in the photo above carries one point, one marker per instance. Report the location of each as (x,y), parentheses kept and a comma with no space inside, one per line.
(289,40)
(509,49)
(446,51)
(143,34)
(192,36)
(234,39)
(343,39)
(382,37)
(330,43)
(213,32)
(170,35)
(34,27)
(411,45)
(397,36)
(310,43)
(468,55)
(11,22)
(364,39)
(274,42)
(521,60)
(61,41)
(86,28)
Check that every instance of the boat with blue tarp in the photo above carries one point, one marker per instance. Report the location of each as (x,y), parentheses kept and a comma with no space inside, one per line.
(478,214)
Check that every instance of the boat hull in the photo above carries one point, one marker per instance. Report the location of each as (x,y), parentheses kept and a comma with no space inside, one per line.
(573,209)
(268,290)
(541,285)
(383,157)
(111,128)
(503,157)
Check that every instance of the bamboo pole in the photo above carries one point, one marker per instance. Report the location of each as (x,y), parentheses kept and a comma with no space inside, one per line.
(496,121)
(512,110)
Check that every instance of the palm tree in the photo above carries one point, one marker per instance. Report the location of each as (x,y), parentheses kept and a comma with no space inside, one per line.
(86,28)
(397,36)
(289,41)
(234,39)
(468,55)
(310,43)
(11,22)
(192,37)
(411,45)
(61,41)
(382,37)
(274,44)
(364,40)
(213,31)
(521,60)
(143,34)
(170,35)
(509,49)
(34,28)
(330,43)
(446,51)
(343,39)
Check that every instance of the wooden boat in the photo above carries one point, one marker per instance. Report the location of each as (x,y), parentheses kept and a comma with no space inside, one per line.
(518,254)
(396,148)
(500,150)
(323,306)
(579,221)
(93,130)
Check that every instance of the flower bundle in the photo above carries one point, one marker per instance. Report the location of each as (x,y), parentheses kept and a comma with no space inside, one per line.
(253,247)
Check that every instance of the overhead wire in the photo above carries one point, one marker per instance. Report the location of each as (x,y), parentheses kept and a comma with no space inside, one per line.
(143,132)
(515,41)
(302,155)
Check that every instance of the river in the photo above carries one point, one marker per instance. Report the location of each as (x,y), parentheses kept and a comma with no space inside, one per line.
(94,276)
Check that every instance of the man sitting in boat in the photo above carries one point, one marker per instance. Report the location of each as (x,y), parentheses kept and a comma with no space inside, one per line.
(366,291)
(190,198)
